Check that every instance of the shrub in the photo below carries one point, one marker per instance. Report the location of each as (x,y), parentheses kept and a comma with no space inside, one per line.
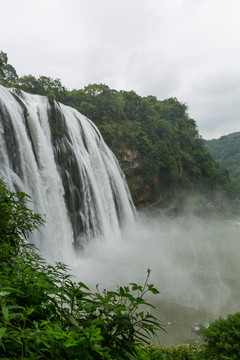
(223,338)
(178,352)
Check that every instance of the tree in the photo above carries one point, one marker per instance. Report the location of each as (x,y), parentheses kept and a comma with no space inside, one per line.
(3,61)
(16,219)
(222,338)
(43,85)
(7,72)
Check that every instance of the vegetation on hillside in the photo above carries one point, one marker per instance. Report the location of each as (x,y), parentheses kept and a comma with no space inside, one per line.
(226,151)
(156,142)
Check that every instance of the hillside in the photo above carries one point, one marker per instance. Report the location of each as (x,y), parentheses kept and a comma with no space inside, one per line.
(156,142)
(226,151)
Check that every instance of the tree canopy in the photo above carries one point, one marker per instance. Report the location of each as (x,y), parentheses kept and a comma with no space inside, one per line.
(7,72)
(226,151)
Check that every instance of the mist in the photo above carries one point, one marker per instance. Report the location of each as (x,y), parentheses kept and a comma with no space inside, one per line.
(194,264)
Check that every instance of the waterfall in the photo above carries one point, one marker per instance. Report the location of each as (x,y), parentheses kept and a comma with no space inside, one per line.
(57,156)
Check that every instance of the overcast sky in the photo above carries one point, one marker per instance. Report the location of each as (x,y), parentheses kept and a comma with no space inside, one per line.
(189,49)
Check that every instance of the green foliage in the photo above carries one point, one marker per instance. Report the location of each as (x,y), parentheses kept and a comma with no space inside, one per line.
(16,219)
(170,153)
(7,72)
(161,132)
(223,338)
(3,60)
(226,151)
(43,85)
(44,314)
(178,352)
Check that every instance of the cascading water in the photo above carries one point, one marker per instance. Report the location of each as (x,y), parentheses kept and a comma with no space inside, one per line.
(58,157)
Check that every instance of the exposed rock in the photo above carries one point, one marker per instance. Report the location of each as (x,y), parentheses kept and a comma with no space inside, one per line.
(130,160)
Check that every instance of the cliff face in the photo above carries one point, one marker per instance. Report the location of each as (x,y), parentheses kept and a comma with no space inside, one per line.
(147,191)
(130,160)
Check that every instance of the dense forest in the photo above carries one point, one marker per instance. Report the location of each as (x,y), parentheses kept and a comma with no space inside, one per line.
(156,142)
(226,151)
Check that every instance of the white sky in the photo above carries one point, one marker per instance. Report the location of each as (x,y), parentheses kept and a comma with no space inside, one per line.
(189,49)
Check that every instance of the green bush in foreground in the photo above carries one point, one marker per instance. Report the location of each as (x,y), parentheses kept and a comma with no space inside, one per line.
(178,352)
(223,338)
(222,342)
(44,314)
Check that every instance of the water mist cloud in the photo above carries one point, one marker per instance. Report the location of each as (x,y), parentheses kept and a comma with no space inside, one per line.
(194,263)
(191,259)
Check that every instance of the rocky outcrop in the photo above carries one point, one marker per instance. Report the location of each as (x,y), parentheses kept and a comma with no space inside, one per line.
(130,160)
